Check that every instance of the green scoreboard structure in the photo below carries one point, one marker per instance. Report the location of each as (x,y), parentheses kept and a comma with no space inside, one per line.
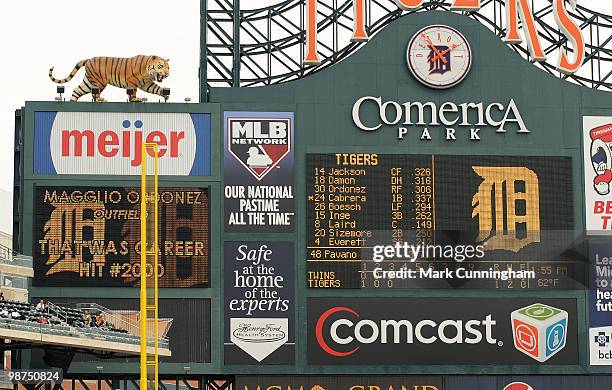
(432,204)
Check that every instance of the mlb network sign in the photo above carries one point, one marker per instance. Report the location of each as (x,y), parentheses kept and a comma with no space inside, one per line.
(110,143)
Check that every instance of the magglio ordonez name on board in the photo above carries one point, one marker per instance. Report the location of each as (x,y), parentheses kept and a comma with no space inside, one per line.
(459,273)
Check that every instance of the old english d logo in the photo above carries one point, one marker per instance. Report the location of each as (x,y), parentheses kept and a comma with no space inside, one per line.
(259,144)
(436,62)
(507,205)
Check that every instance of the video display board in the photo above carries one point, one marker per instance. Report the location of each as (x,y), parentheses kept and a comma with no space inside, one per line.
(90,236)
(430,221)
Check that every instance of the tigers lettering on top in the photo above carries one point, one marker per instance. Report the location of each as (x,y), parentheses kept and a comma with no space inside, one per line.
(110,143)
(516,11)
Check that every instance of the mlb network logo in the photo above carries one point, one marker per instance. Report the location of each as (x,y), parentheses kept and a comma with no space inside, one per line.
(259,141)
(539,331)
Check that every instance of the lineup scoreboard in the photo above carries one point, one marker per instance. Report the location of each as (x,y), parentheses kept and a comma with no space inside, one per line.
(90,236)
(475,213)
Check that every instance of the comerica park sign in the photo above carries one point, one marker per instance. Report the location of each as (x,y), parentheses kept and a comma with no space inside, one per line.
(467,116)
(516,10)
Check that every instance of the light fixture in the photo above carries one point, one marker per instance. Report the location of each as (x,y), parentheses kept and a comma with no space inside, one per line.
(166,93)
(130,92)
(60,90)
(187,99)
(99,368)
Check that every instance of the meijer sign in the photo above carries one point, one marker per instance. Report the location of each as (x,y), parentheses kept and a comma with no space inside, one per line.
(110,143)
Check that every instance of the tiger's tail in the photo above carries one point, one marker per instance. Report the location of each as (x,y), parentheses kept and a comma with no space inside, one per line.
(78,66)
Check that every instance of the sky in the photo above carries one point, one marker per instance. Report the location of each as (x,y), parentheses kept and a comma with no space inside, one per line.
(38,34)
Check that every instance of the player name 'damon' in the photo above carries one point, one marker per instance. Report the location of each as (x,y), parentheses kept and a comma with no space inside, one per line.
(341,180)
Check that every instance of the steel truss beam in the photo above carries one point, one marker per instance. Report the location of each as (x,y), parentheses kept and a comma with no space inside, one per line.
(271,40)
(126,381)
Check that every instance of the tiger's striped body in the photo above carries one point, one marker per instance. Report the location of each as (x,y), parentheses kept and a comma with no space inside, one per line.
(138,72)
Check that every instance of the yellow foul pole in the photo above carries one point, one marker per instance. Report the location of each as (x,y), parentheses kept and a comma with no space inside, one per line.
(149,263)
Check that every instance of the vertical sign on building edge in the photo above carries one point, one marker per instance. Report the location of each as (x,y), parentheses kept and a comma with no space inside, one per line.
(597,148)
(259,293)
(600,304)
(258,172)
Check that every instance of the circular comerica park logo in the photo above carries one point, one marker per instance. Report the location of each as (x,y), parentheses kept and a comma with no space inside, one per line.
(439,56)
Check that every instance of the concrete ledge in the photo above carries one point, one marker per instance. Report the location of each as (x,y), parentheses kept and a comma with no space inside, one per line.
(77,342)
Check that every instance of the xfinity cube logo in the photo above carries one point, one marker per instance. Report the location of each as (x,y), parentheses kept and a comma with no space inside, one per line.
(539,331)
(259,144)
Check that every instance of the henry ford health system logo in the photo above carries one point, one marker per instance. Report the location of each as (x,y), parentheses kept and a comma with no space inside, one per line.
(259,337)
(259,144)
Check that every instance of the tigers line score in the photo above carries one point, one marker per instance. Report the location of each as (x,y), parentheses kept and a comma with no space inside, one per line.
(432,221)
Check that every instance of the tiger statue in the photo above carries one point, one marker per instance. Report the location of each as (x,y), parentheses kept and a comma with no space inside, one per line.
(135,72)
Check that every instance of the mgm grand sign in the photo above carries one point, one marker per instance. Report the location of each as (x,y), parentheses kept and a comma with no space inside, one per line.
(329,382)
